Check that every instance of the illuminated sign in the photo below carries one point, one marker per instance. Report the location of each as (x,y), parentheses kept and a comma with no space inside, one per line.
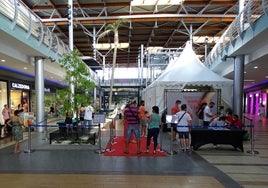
(20,86)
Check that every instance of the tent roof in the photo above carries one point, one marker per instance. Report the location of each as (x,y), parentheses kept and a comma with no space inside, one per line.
(188,68)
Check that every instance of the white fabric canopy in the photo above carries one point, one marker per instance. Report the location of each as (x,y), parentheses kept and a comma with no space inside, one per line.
(187,70)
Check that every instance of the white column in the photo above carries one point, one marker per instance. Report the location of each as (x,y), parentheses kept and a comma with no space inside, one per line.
(39,89)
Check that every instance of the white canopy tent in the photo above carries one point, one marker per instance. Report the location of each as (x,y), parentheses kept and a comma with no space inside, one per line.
(188,70)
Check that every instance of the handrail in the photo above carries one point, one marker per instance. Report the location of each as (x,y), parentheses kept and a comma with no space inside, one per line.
(21,16)
(253,10)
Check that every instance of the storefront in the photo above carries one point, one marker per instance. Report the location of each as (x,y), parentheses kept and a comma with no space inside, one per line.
(3,97)
(20,96)
(255,101)
(49,99)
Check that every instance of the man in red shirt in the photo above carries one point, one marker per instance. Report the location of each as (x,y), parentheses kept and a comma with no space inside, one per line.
(174,110)
(236,122)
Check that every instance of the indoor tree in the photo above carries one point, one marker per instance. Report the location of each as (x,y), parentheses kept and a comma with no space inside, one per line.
(112,28)
(77,74)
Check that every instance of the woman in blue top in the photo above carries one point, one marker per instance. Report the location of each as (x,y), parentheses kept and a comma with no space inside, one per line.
(154,123)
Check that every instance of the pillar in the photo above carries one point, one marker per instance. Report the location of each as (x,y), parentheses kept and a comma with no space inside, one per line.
(39,89)
(238,85)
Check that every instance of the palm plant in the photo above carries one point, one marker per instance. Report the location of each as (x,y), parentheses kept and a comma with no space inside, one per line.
(112,28)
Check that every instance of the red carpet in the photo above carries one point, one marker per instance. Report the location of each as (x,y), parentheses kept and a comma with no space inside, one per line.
(118,148)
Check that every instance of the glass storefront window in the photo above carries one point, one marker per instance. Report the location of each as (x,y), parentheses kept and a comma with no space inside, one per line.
(15,97)
(3,97)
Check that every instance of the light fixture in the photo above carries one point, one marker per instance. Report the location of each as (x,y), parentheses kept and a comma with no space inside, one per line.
(107,46)
(155,2)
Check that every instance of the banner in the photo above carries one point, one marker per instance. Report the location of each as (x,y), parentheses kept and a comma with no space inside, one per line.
(193,100)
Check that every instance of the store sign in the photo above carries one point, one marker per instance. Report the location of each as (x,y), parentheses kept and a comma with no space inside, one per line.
(20,86)
(47,90)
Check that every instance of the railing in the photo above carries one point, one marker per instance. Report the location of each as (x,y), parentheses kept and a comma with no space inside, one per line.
(22,16)
(122,82)
(251,12)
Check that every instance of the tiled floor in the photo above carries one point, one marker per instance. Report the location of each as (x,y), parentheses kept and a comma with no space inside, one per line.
(83,166)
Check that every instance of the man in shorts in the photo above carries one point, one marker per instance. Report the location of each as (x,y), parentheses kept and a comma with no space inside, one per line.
(183,128)
(131,113)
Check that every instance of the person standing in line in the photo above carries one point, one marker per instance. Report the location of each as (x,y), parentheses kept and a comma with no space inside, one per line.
(16,123)
(175,109)
(131,113)
(183,128)
(143,118)
(154,123)
(208,115)
(81,112)
(89,110)
(6,112)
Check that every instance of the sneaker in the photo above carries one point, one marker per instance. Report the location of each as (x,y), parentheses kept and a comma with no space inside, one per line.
(188,149)
(183,149)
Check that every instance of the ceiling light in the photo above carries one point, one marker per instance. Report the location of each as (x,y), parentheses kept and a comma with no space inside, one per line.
(25,68)
(255,67)
(153,49)
(107,46)
(155,2)
(205,39)
(3,60)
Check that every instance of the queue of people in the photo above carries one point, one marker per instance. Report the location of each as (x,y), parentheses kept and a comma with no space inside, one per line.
(138,123)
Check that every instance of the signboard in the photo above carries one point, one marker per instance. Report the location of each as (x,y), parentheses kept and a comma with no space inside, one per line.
(28,118)
(193,100)
(99,118)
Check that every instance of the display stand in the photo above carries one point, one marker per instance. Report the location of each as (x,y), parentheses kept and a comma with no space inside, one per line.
(252,150)
(171,152)
(112,136)
(173,121)
(161,139)
(99,118)
(251,126)
(29,150)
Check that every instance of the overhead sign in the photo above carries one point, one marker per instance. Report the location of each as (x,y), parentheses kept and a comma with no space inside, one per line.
(20,86)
